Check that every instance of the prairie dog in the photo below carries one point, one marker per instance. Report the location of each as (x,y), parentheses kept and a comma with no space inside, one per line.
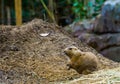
(82,62)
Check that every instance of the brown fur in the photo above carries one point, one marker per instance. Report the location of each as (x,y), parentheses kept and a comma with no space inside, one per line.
(82,62)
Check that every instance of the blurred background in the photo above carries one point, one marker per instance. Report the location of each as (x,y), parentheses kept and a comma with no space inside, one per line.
(62,12)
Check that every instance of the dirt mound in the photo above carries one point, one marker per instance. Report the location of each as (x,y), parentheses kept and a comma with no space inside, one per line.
(27,56)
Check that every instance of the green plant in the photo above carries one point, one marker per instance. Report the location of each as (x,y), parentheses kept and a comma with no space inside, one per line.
(62,12)
(84,9)
(51,15)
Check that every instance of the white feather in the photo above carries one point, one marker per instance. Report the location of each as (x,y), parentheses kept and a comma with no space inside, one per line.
(44,34)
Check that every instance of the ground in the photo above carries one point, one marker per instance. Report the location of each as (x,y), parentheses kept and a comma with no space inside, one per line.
(106,76)
(28,57)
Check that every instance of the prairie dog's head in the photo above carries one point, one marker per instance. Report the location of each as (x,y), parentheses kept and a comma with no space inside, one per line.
(72,51)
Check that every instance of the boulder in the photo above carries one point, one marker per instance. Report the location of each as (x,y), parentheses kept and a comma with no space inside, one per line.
(101,42)
(109,22)
(112,53)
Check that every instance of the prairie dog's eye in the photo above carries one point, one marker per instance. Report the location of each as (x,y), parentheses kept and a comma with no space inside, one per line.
(70,48)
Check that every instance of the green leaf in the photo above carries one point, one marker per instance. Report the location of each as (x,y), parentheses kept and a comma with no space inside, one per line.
(76,4)
(90,4)
(77,10)
(85,8)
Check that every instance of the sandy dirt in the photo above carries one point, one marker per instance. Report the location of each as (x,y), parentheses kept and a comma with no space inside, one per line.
(27,57)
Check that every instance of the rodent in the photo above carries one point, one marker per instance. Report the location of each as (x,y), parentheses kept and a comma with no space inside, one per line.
(82,62)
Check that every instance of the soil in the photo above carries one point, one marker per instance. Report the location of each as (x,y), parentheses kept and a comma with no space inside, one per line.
(27,57)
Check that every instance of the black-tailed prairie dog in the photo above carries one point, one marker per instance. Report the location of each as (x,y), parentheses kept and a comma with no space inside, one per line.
(82,62)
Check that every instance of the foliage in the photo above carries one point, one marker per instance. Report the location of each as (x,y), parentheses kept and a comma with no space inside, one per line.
(84,9)
(64,11)
(48,11)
